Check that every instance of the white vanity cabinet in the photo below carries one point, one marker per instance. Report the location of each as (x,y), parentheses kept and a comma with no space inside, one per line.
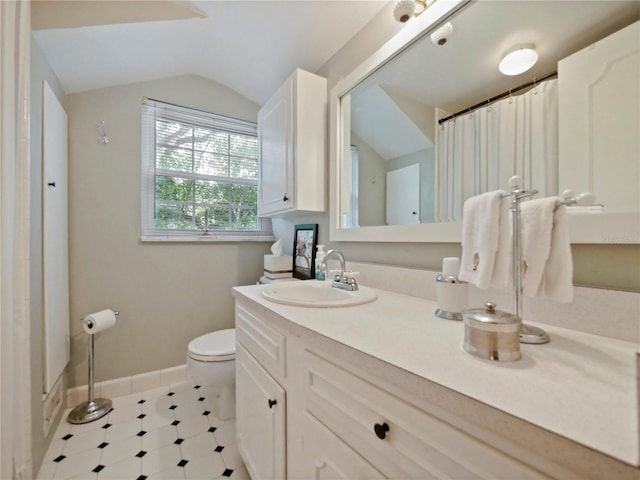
(350,414)
(260,399)
(292,152)
(388,435)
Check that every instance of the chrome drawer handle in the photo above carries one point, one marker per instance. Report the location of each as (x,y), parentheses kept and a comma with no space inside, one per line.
(272,403)
(381,430)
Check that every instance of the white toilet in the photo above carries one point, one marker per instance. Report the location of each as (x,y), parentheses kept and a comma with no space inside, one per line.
(211,361)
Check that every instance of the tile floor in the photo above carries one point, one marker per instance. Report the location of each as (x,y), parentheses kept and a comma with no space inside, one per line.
(167,433)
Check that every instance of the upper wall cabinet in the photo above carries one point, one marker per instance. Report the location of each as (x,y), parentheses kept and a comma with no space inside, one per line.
(292,137)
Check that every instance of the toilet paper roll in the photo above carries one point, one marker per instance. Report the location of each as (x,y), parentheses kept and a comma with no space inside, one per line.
(99,321)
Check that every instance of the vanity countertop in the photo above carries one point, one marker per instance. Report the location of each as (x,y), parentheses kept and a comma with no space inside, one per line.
(581,386)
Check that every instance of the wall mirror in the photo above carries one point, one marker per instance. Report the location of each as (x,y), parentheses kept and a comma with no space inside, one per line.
(400,173)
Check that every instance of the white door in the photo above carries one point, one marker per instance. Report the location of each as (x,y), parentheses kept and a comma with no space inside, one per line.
(599,113)
(55,238)
(403,195)
(260,418)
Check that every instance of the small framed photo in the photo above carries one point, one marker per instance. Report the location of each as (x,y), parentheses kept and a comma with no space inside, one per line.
(305,239)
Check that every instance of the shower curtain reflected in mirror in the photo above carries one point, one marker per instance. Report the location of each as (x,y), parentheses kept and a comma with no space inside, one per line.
(478,152)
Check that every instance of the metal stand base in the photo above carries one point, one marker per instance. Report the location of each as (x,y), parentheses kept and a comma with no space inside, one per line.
(533,335)
(89,411)
(448,315)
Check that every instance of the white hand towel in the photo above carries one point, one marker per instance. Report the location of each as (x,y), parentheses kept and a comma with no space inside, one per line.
(536,225)
(557,283)
(480,233)
(503,269)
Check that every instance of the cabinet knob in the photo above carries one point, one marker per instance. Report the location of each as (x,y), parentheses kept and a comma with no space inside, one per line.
(381,430)
(285,198)
(51,184)
(272,403)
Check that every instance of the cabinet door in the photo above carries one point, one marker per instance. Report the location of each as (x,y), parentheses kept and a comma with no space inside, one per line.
(260,418)
(599,94)
(275,132)
(326,457)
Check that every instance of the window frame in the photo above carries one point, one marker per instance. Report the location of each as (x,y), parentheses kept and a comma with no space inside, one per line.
(150,111)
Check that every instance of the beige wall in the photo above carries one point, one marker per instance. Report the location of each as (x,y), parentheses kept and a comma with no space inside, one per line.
(40,71)
(606,266)
(166,293)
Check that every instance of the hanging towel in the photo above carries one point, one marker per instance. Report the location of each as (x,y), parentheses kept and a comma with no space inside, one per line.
(503,268)
(536,225)
(557,283)
(480,234)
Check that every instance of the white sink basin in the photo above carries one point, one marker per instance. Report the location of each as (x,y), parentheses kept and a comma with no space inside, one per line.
(316,294)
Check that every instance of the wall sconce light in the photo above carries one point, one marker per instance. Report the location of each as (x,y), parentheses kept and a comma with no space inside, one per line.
(518,60)
(406,9)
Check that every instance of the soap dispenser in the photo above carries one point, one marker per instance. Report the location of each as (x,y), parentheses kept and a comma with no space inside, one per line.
(320,267)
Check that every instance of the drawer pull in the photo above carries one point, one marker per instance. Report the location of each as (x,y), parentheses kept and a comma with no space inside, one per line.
(381,430)
(272,403)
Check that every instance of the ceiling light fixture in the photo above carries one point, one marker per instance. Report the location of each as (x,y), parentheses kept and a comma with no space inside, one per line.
(518,60)
(404,10)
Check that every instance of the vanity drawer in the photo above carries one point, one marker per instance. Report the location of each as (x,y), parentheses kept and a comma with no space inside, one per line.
(415,445)
(267,345)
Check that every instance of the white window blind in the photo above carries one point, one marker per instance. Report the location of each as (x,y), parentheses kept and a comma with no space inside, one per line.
(199,175)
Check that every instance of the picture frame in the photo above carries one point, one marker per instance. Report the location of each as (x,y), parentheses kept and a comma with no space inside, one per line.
(305,240)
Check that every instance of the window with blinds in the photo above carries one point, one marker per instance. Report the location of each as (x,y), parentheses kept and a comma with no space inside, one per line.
(199,174)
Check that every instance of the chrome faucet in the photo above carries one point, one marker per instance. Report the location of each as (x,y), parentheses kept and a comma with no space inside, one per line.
(341,280)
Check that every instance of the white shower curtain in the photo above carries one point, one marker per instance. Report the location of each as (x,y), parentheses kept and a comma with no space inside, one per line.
(15,378)
(478,152)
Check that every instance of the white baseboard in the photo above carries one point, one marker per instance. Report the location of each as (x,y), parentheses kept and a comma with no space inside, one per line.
(128,385)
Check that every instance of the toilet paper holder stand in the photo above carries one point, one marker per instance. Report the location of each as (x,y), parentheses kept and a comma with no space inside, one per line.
(93,408)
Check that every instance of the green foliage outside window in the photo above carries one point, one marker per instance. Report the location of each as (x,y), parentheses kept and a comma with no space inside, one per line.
(205,176)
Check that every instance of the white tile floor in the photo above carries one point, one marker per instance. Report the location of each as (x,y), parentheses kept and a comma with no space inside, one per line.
(167,433)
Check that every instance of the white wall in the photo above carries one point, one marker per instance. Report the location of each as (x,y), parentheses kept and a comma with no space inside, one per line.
(167,294)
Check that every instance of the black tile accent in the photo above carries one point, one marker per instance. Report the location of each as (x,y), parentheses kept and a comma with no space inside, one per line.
(98,468)
(206,412)
(103,444)
(170,394)
(201,399)
(141,433)
(67,436)
(106,425)
(141,416)
(182,462)
(227,473)
(219,448)
(212,429)
(178,441)
(142,477)
(173,407)
(175,422)
(59,458)
(141,401)
(141,454)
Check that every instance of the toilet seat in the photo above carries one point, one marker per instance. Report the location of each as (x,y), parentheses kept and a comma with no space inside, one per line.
(216,346)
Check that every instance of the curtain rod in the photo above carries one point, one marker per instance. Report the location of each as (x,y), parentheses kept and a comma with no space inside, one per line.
(500,96)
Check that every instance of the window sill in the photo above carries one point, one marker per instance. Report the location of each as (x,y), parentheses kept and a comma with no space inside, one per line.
(210,238)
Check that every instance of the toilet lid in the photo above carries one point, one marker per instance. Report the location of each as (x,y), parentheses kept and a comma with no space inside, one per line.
(214,346)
